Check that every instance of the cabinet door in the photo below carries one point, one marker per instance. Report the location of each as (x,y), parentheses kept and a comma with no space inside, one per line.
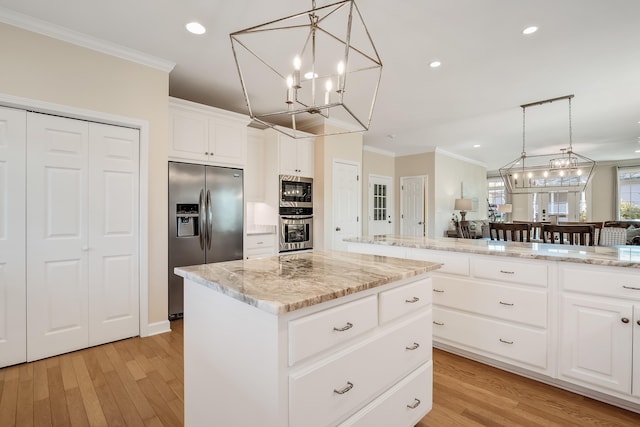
(13,317)
(227,142)
(113,233)
(189,135)
(595,342)
(57,293)
(304,157)
(254,174)
(288,152)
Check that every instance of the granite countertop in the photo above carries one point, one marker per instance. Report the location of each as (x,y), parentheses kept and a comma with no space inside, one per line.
(617,256)
(285,283)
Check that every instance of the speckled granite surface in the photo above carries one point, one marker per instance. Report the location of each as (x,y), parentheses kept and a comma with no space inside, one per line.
(286,283)
(617,256)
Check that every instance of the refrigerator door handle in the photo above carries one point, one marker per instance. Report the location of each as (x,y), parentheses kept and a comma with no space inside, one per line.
(209,220)
(201,219)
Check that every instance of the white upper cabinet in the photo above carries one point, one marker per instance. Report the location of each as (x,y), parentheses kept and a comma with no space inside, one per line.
(295,156)
(206,135)
(254,176)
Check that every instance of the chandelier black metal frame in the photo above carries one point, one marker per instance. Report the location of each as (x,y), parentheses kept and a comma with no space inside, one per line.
(563,171)
(312,68)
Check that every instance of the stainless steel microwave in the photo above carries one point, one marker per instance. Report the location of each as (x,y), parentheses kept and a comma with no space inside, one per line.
(296,191)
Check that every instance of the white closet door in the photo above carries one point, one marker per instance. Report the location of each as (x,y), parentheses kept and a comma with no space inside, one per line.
(57,235)
(113,233)
(13,308)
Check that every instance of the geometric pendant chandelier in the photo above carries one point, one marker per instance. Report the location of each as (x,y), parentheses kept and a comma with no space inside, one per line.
(314,68)
(565,171)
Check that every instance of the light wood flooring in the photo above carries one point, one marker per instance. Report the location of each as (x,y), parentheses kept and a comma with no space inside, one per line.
(139,382)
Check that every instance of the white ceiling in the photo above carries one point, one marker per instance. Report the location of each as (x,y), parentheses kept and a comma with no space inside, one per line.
(589,48)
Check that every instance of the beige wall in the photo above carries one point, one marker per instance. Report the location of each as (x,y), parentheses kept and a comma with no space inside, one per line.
(346,147)
(43,69)
(374,163)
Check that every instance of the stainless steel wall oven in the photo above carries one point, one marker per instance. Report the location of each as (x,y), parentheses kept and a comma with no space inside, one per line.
(296,192)
(296,229)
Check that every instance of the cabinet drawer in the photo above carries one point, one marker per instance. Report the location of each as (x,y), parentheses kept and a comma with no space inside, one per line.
(403,405)
(258,241)
(520,304)
(609,281)
(341,384)
(452,263)
(316,332)
(513,342)
(510,271)
(404,299)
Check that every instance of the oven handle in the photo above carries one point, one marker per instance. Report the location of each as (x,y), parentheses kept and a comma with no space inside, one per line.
(296,218)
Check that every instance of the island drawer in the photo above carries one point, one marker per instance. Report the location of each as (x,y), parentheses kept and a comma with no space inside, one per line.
(509,302)
(325,392)
(608,282)
(496,268)
(404,299)
(452,263)
(517,343)
(402,405)
(316,332)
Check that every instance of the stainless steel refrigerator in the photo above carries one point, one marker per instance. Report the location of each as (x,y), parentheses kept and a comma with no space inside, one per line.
(205,220)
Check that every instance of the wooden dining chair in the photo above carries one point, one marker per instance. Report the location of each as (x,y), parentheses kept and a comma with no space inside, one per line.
(515,232)
(573,234)
(464,230)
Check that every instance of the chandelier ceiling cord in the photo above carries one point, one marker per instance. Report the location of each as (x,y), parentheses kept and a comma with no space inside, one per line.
(544,173)
(308,69)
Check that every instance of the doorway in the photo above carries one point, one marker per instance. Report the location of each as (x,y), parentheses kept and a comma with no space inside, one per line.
(413,206)
(380,206)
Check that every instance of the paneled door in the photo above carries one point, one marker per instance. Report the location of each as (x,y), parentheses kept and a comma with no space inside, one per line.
(412,206)
(380,204)
(113,233)
(57,235)
(13,308)
(346,203)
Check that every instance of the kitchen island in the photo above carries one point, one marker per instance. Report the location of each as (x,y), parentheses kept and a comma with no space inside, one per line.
(309,339)
(562,314)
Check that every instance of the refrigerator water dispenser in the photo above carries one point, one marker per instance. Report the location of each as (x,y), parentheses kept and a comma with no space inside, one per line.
(187,220)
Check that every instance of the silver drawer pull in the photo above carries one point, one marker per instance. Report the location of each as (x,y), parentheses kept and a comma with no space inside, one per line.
(412,300)
(440,291)
(413,347)
(506,342)
(344,328)
(346,388)
(507,272)
(510,304)
(631,287)
(438,323)
(416,403)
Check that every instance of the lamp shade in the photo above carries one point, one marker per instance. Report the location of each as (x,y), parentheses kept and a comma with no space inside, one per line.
(506,208)
(462,205)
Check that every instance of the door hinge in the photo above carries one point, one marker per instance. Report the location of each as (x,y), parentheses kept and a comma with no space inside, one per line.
(402,216)
(357,219)
(357,177)
(402,188)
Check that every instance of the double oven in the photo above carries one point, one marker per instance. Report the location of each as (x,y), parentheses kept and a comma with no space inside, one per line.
(296,213)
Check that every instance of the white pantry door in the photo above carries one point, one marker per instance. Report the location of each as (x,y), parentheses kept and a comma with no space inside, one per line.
(113,233)
(57,235)
(346,203)
(412,206)
(13,304)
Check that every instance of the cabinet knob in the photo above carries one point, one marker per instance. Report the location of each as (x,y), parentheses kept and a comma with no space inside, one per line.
(338,228)
(624,320)
(206,153)
(638,322)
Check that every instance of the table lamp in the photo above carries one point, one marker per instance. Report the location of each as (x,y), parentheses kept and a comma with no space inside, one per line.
(462,205)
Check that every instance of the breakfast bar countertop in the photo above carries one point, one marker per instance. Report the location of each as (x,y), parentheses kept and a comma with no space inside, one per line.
(285,283)
(615,256)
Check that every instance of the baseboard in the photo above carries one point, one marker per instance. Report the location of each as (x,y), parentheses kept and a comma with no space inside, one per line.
(157,328)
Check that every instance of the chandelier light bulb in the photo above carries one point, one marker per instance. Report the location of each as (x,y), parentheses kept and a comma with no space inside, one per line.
(290,96)
(297,63)
(327,95)
(545,174)
(561,173)
(579,172)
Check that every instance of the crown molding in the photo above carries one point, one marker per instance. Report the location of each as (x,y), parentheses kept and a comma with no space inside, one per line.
(439,150)
(379,151)
(48,29)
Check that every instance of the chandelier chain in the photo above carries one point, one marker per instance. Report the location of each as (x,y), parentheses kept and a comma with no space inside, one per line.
(570,129)
(524,153)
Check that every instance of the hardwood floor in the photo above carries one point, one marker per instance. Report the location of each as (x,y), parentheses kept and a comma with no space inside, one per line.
(139,382)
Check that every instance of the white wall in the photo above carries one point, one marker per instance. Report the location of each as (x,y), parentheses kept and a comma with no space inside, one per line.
(44,69)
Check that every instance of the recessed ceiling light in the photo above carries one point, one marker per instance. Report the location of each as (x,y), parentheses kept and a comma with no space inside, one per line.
(435,64)
(196,28)
(530,30)
(476,145)
(637,151)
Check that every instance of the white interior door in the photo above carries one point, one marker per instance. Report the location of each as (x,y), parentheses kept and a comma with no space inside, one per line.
(412,206)
(57,235)
(113,233)
(346,203)
(380,204)
(13,309)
